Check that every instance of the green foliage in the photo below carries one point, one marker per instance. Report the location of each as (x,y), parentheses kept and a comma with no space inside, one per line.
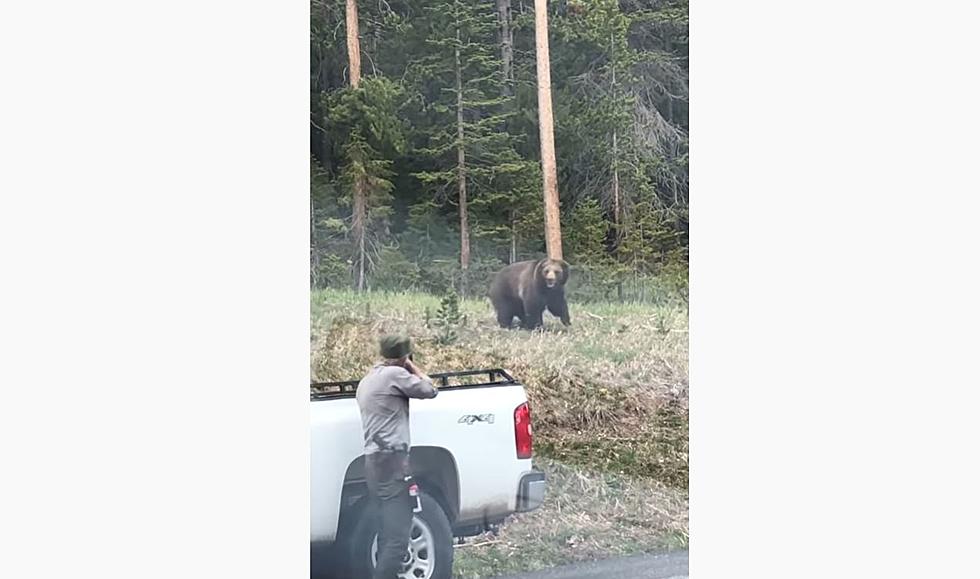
(368,113)
(674,273)
(585,234)
(331,271)
(393,272)
(369,133)
(329,248)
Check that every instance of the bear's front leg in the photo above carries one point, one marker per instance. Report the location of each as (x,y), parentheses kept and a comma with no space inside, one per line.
(559,307)
(531,322)
(533,316)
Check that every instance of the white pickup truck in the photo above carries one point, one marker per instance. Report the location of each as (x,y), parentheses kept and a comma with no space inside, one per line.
(471,455)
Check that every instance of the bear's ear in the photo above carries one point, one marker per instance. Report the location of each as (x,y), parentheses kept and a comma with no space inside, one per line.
(538,274)
(565,270)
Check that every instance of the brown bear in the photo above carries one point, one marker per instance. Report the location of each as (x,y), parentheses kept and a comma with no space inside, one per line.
(524,289)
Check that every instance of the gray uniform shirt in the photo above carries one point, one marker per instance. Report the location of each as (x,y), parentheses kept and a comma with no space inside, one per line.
(383,396)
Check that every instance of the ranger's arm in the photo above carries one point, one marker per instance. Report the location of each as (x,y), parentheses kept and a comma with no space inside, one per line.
(416,384)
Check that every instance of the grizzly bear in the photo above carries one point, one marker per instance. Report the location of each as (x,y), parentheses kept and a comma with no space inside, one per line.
(524,289)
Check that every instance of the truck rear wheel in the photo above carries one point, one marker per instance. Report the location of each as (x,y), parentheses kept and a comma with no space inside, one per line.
(430,546)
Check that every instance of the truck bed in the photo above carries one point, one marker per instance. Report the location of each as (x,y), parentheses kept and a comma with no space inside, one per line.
(445,380)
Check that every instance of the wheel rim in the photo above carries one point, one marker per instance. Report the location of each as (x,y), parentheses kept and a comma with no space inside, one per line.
(419,560)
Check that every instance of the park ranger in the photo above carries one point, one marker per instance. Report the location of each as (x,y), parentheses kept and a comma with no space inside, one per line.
(382,397)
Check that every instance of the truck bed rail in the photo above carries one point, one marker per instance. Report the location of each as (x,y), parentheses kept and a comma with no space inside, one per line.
(445,380)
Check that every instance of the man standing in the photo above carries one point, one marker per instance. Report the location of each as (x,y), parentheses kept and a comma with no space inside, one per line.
(382,397)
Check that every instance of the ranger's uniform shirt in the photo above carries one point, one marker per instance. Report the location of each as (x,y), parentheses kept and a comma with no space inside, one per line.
(382,397)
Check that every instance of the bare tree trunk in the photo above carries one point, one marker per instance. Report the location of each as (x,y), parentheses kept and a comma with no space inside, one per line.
(353,44)
(615,148)
(615,185)
(359,224)
(546,127)
(618,227)
(506,44)
(513,237)
(358,228)
(464,227)
(314,258)
(507,71)
(670,99)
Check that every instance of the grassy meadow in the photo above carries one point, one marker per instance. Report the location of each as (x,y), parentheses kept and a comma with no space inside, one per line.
(609,399)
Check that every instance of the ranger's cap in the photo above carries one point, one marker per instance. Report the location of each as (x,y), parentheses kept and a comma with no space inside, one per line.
(396,346)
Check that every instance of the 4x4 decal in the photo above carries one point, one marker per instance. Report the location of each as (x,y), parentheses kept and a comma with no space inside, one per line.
(474,418)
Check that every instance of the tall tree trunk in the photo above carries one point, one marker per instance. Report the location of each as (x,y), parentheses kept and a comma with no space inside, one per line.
(506,45)
(615,185)
(615,149)
(513,236)
(359,225)
(669,88)
(546,127)
(464,227)
(507,72)
(314,258)
(353,44)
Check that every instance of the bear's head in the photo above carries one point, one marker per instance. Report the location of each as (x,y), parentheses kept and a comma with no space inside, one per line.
(552,272)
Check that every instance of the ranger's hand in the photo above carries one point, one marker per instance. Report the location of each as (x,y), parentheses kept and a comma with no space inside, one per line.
(411,367)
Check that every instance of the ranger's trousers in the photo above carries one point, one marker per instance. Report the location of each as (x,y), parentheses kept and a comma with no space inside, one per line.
(385,473)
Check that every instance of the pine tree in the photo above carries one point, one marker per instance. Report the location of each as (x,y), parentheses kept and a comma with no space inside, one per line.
(371,134)
(463,113)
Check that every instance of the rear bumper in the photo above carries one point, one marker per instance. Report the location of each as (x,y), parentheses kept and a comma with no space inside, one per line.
(530,491)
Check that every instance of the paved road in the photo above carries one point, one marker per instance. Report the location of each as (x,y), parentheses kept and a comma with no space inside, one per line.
(672,565)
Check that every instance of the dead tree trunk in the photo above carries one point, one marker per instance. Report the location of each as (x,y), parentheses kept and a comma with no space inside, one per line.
(507,73)
(546,128)
(513,237)
(615,186)
(314,258)
(359,221)
(506,45)
(358,228)
(615,150)
(353,44)
(464,227)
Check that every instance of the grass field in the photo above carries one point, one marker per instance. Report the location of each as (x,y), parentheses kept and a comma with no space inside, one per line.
(609,402)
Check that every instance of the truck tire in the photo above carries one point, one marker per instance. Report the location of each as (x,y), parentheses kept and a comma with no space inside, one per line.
(430,546)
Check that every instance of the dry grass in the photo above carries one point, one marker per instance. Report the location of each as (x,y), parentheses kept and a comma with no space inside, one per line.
(586,516)
(609,402)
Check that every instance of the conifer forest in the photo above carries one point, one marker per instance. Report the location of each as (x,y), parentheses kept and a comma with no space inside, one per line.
(425,150)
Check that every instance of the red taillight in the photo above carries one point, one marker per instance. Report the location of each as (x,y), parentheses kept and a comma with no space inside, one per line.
(522,430)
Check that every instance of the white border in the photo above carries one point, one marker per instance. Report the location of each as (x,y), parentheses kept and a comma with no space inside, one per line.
(154,316)
(153,232)
(834,290)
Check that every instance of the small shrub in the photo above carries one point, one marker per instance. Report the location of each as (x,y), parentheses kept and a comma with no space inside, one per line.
(448,319)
